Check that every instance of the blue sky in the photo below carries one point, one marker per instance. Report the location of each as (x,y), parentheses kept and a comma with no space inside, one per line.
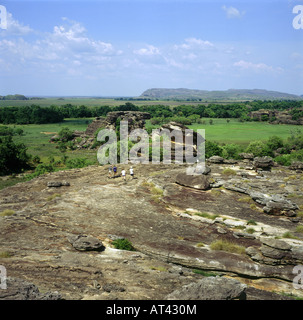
(123,47)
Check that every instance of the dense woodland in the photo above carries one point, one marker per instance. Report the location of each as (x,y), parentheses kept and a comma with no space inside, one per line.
(185,114)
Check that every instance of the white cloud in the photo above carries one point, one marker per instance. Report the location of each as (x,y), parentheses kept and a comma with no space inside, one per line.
(14,27)
(67,50)
(194,43)
(148,51)
(257,67)
(232,12)
(73,38)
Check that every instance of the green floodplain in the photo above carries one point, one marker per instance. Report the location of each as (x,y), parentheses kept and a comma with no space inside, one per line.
(36,137)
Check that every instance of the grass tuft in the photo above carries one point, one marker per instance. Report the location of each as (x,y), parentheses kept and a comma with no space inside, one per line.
(227,246)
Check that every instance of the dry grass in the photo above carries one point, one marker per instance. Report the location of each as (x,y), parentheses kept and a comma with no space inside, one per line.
(229,172)
(227,246)
(7,212)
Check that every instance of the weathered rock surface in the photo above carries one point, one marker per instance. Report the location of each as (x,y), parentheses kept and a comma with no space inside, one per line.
(170,229)
(211,288)
(18,289)
(57,184)
(272,204)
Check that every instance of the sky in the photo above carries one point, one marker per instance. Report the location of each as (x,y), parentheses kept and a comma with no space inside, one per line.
(124,47)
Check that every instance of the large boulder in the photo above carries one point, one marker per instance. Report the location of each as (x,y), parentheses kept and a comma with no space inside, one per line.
(216,159)
(200,182)
(211,288)
(264,163)
(85,243)
(246,156)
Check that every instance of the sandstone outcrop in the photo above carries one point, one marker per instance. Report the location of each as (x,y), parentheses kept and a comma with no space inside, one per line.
(275,117)
(135,119)
(264,163)
(174,228)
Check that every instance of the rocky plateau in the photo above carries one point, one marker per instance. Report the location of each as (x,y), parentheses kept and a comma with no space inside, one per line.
(58,239)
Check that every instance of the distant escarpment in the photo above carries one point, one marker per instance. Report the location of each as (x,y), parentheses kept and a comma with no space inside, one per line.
(217,95)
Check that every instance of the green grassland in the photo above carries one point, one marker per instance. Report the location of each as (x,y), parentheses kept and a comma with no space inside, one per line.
(60,102)
(243,132)
(36,137)
(91,102)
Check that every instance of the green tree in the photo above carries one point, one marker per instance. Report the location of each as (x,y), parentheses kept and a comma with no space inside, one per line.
(13,157)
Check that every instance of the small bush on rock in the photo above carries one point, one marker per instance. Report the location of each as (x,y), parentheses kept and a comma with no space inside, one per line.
(123,244)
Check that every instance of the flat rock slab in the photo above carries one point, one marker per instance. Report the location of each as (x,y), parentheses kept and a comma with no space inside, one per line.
(211,288)
(18,289)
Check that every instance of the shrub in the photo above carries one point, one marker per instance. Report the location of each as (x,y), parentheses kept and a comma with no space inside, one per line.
(76,163)
(65,134)
(258,149)
(231,151)
(123,244)
(212,149)
(40,169)
(274,143)
(251,222)
(284,160)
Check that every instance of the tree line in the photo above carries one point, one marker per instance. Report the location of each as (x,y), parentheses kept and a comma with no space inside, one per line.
(39,115)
